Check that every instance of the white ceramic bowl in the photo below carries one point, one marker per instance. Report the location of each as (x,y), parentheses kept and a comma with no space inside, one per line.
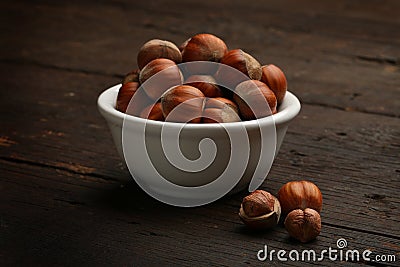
(125,127)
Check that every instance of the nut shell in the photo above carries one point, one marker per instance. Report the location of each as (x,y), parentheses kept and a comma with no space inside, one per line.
(300,195)
(131,99)
(170,76)
(258,203)
(153,112)
(206,84)
(263,221)
(220,115)
(276,81)
(303,225)
(204,47)
(156,48)
(220,102)
(254,99)
(243,62)
(125,95)
(188,100)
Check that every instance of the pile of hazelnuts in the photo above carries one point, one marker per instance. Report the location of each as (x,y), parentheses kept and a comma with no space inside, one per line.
(299,201)
(196,92)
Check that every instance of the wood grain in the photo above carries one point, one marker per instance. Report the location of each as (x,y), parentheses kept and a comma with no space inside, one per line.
(60,218)
(325,52)
(66,197)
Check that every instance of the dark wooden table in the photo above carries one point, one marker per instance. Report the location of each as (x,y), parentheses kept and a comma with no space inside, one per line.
(63,196)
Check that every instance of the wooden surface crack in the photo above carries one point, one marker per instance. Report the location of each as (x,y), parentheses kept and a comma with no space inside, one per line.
(19,61)
(71,168)
(380,59)
(362,230)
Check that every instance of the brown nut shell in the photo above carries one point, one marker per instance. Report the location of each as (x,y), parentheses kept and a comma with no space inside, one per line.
(264,221)
(189,101)
(258,203)
(220,102)
(204,47)
(156,48)
(206,84)
(125,95)
(170,76)
(255,100)
(220,115)
(300,195)
(243,62)
(153,112)
(276,81)
(131,99)
(303,225)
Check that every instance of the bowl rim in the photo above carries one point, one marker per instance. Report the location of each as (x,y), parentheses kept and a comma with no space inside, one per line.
(288,109)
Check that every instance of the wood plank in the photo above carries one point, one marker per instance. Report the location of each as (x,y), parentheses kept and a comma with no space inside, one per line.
(326,57)
(59,218)
(48,110)
(67,199)
(352,156)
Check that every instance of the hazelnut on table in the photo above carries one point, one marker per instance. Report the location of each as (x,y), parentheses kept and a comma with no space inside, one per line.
(260,210)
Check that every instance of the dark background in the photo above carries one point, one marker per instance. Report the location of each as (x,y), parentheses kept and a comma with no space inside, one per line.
(65,198)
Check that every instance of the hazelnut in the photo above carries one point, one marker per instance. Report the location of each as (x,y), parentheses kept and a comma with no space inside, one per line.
(260,210)
(220,102)
(204,47)
(125,94)
(132,76)
(243,62)
(300,195)
(153,112)
(125,97)
(303,225)
(220,115)
(158,49)
(206,84)
(188,100)
(170,76)
(252,98)
(276,81)
(258,203)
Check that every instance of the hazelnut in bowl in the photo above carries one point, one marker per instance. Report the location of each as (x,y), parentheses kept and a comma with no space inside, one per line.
(160,154)
(198,121)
